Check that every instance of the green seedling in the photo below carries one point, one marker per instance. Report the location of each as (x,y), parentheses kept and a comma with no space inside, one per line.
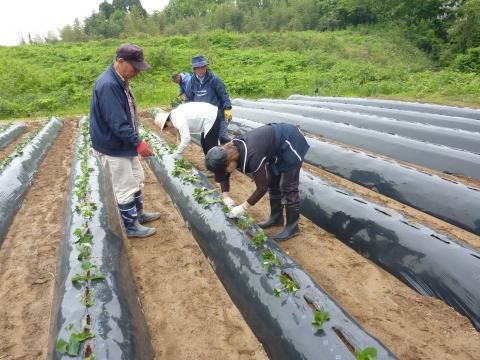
(84,251)
(91,273)
(259,238)
(183,170)
(289,286)
(369,353)
(86,209)
(171,148)
(200,194)
(86,298)
(72,347)
(320,318)
(245,222)
(269,260)
(84,235)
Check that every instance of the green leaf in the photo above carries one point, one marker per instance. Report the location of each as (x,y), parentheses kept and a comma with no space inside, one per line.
(61,346)
(369,353)
(73,347)
(320,317)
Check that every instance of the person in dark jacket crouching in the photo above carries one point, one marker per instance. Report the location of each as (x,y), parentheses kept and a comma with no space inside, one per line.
(114,133)
(273,154)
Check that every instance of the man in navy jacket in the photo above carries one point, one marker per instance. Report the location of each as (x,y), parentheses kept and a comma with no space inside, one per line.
(114,134)
(206,86)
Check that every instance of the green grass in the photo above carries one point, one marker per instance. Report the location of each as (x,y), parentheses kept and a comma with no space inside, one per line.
(43,80)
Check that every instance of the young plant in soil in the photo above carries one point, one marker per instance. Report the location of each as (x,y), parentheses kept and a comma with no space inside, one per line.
(91,273)
(320,318)
(72,347)
(200,196)
(171,148)
(289,286)
(183,171)
(86,298)
(369,353)
(269,260)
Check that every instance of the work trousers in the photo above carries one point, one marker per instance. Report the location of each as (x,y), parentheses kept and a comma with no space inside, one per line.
(126,174)
(223,132)
(210,139)
(285,185)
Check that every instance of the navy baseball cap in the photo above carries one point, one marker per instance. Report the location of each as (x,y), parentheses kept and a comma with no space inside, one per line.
(215,161)
(133,54)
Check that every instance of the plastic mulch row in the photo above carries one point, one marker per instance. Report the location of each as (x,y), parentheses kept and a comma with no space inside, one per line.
(283,325)
(17,176)
(10,133)
(96,310)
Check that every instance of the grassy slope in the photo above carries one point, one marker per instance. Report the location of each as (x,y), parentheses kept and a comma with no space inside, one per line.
(58,79)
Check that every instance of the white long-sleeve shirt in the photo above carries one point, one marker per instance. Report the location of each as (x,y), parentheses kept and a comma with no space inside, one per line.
(193,117)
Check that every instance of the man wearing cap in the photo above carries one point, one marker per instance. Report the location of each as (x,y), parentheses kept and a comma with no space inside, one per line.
(182,80)
(206,86)
(273,155)
(114,133)
(194,117)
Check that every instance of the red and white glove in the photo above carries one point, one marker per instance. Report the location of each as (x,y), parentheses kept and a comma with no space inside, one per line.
(144,150)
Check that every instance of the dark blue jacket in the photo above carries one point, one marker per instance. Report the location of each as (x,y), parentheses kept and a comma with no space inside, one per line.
(281,145)
(211,91)
(291,147)
(112,128)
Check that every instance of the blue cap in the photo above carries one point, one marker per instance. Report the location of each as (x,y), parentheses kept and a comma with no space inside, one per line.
(198,61)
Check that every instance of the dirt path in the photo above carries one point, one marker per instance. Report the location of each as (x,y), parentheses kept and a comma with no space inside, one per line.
(188,312)
(10,147)
(28,256)
(412,326)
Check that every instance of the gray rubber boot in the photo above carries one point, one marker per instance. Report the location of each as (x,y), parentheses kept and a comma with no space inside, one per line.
(276,213)
(291,229)
(143,216)
(130,219)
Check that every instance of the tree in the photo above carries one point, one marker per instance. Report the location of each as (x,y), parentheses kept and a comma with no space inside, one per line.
(465,32)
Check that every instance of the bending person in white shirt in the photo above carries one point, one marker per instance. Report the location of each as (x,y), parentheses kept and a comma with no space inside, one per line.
(193,117)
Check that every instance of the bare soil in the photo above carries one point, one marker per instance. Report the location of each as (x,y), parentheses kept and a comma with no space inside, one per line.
(411,325)
(188,311)
(28,256)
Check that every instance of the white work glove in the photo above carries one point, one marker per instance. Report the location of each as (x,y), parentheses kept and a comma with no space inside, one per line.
(229,201)
(238,210)
(176,156)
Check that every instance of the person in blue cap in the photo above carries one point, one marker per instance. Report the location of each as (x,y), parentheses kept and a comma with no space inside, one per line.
(206,86)
(273,155)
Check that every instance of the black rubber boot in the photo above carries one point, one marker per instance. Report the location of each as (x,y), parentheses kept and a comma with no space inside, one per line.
(130,219)
(276,214)
(144,216)
(291,229)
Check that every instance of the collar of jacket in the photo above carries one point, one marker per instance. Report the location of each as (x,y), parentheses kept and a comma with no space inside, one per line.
(206,78)
(117,77)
